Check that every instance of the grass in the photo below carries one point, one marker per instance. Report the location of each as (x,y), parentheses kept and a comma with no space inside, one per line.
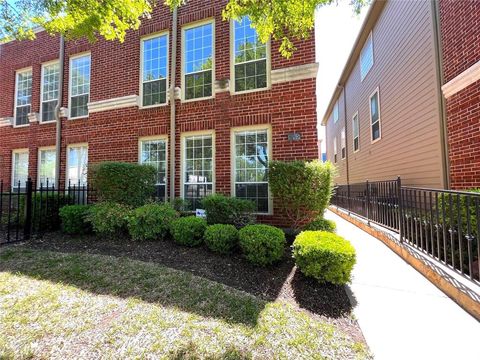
(95,306)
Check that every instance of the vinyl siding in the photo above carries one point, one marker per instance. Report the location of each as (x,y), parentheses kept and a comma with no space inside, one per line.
(404,71)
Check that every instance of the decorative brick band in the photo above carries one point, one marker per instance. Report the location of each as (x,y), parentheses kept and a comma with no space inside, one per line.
(155,27)
(152,131)
(466,78)
(197,15)
(251,119)
(197,126)
(77,139)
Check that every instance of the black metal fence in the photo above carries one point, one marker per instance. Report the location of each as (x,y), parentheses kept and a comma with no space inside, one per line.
(441,223)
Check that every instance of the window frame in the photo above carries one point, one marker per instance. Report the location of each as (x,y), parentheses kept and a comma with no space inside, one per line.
(70,60)
(336,112)
(183,73)
(39,164)
(369,39)
(153,138)
(45,64)
(335,150)
(17,72)
(142,39)
(235,130)
(353,132)
(343,143)
(70,146)
(232,64)
(377,91)
(14,152)
(183,163)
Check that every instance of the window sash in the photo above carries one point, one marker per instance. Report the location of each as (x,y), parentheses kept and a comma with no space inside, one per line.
(158,161)
(366,57)
(356,133)
(343,144)
(23,96)
(335,112)
(80,72)
(19,168)
(50,88)
(77,166)
(46,168)
(375,116)
(154,70)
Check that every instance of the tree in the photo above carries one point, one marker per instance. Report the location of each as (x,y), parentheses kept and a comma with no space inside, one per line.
(283,20)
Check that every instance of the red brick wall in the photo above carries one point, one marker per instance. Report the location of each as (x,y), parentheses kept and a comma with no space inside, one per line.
(115,71)
(460,32)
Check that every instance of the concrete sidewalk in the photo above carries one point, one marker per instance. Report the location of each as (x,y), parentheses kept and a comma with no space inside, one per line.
(401,313)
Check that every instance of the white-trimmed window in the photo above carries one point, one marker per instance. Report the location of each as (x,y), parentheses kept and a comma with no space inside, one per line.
(343,144)
(249,58)
(49,90)
(23,96)
(335,112)
(77,162)
(198,168)
(153,151)
(154,70)
(198,60)
(356,132)
(375,116)
(366,57)
(335,150)
(19,167)
(250,166)
(46,167)
(79,85)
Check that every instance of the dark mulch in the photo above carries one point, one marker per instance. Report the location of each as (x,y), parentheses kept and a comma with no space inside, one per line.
(281,281)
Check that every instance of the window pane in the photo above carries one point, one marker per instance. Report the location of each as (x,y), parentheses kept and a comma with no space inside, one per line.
(154,153)
(376,131)
(155,92)
(77,166)
(79,86)
(374,108)
(154,74)
(20,169)
(46,169)
(48,110)
(366,57)
(79,106)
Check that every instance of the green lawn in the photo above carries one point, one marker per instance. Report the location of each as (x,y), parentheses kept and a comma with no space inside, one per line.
(94,306)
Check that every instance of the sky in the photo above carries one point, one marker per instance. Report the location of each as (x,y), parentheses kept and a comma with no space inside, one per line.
(336,28)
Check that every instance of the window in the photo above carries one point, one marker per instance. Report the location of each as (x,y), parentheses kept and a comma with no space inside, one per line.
(154,152)
(79,86)
(356,133)
(19,167)
(335,112)
(366,57)
(375,116)
(198,61)
(335,150)
(49,91)
(46,167)
(198,168)
(343,144)
(77,161)
(250,58)
(251,155)
(154,70)
(23,96)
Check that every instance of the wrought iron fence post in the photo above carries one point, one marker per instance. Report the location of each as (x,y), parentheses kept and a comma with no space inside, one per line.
(349,200)
(368,203)
(400,208)
(27,227)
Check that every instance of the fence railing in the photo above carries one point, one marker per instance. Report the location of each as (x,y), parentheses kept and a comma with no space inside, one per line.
(443,224)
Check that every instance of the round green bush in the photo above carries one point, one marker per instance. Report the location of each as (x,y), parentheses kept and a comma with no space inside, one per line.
(324,256)
(321,224)
(221,238)
(151,221)
(188,230)
(74,219)
(262,244)
(108,219)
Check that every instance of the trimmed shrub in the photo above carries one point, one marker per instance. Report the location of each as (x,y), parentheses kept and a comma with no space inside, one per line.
(151,221)
(222,209)
(221,238)
(108,219)
(321,224)
(74,219)
(324,256)
(188,230)
(301,189)
(262,244)
(124,183)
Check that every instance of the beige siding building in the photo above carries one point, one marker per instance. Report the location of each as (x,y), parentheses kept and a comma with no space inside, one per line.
(385,118)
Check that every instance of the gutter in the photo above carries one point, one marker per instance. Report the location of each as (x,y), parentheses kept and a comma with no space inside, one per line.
(173,67)
(58,119)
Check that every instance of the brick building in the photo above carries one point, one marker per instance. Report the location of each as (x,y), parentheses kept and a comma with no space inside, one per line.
(236,102)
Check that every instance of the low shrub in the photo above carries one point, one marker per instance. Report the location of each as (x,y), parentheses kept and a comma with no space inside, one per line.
(222,209)
(151,221)
(221,238)
(108,219)
(324,256)
(188,230)
(46,208)
(321,224)
(74,219)
(262,244)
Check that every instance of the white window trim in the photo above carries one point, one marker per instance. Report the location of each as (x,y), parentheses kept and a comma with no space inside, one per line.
(53,62)
(76,56)
(183,164)
(343,143)
(20,71)
(232,64)
(377,91)
(153,138)
(183,57)
(353,132)
(364,76)
(234,130)
(66,161)
(18,151)
(39,162)
(335,111)
(142,39)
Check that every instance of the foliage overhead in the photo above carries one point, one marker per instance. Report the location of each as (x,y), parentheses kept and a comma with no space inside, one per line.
(282,20)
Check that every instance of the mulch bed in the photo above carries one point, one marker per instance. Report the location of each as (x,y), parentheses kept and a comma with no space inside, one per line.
(281,281)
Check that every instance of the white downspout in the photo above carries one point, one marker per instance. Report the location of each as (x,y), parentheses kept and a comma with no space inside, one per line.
(173,67)
(58,119)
